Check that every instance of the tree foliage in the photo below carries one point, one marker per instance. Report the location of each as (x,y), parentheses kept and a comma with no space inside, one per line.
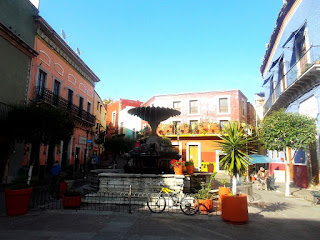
(107,101)
(39,123)
(233,144)
(283,129)
(116,145)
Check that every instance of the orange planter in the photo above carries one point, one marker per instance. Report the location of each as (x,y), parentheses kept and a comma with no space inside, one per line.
(234,208)
(205,205)
(178,170)
(190,169)
(17,201)
(71,202)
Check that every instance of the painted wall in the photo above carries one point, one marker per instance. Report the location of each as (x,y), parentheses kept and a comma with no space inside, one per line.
(17,15)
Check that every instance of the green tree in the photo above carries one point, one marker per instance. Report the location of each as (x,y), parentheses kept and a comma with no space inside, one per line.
(36,124)
(107,101)
(282,131)
(234,146)
(118,145)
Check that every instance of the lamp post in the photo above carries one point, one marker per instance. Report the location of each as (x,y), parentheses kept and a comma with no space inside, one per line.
(86,153)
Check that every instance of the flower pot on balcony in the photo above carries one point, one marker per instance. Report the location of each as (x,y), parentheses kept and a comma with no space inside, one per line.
(17,201)
(234,208)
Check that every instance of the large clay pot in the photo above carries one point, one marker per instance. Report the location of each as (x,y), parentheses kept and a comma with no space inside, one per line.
(190,169)
(71,202)
(178,170)
(17,201)
(234,208)
(205,205)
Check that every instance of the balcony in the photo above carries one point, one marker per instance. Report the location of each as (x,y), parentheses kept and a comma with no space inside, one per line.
(47,96)
(185,129)
(300,79)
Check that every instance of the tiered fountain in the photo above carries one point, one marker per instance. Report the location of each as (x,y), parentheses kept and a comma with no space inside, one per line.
(154,155)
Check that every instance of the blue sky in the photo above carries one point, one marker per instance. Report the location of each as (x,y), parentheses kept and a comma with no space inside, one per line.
(142,48)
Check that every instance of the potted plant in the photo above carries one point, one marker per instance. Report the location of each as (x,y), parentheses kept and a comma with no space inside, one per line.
(71,199)
(210,167)
(17,196)
(177,166)
(205,197)
(234,207)
(190,167)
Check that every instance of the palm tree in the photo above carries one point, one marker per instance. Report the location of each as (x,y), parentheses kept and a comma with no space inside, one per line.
(233,144)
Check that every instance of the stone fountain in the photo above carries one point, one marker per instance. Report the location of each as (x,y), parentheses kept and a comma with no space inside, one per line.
(154,155)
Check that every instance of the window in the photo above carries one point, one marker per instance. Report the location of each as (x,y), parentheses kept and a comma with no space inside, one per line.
(223,105)
(176,127)
(98,103)
(70,98)
(41,82)
(100,108)
(193,107)
(222,123)
(80,106)
(56,92)
(88,107)
(243,107)
(193,126)
(177,105)
(113,120)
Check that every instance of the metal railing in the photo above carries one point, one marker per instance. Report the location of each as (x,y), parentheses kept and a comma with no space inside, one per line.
(130,202)
(49,97)
(306,61)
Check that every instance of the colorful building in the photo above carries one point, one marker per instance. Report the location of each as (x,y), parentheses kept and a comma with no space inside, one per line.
(119,121)
(100,128)
(17,36)
(60,78)
(291,77)
(195,132)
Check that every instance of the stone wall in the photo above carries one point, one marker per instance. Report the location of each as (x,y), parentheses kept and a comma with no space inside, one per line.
(120,182)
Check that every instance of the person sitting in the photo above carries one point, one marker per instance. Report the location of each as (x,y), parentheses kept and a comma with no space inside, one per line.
(262,178)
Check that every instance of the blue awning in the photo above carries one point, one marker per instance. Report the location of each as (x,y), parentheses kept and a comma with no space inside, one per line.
(256,159)
(267,80)
(279,59)
(296,33)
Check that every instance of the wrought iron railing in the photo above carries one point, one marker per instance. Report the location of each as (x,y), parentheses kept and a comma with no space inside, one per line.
(311,57)
(49,97)
(130,202)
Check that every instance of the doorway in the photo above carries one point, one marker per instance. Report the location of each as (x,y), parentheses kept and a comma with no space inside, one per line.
(77,159)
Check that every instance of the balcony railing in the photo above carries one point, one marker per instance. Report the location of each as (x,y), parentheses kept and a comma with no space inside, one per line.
(311,57)
(49,97)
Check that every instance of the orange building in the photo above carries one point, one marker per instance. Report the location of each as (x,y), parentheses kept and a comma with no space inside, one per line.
(60,78)
(114,125)
(195,132)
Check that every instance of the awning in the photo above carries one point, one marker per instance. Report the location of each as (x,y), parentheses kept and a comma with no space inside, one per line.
(279,59)
(255,159)
(296,33)
(267,80)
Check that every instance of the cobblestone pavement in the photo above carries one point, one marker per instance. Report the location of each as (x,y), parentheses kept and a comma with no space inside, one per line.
(271,216)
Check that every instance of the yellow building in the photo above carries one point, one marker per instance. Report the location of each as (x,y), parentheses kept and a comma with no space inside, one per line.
(99,129)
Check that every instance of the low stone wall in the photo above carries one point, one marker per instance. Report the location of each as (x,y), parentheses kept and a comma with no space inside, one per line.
(120,182)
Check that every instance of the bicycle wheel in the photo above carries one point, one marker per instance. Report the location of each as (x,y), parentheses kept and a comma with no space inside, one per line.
(156,204)
(189,205)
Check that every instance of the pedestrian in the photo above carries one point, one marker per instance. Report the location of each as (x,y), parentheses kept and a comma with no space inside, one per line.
(55,172)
